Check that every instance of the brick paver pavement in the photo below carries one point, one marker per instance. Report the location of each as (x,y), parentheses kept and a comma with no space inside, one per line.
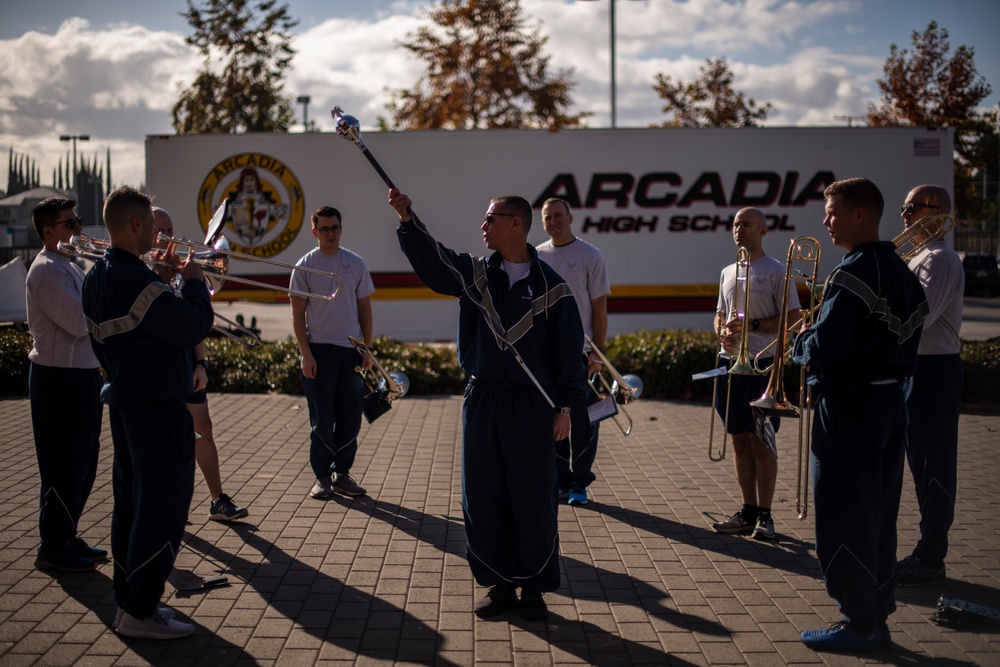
(382,579)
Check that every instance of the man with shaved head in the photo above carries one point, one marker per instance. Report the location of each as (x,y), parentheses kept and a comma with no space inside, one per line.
(934,393)
(755,453)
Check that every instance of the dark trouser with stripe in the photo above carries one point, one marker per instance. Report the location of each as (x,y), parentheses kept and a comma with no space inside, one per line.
(509,487)
(857,467)
(575,455)
(335,399)
(933,401)
(66,413)
(153,483)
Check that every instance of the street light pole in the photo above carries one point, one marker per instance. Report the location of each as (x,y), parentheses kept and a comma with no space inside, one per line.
(73,138)
(614,110)
(304,101)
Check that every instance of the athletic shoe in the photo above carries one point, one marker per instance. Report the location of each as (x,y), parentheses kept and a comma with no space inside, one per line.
(345,485)
(63,560)
(81,548)
(913,572)
(734,524)
(764,530)
(321,489)
(224,509)
(497,600)
(577,495)
(842,636)
(563,493)
(155,627)
(533,606)
(162,610)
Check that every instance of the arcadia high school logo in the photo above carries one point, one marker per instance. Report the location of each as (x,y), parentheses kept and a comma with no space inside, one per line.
(266,206)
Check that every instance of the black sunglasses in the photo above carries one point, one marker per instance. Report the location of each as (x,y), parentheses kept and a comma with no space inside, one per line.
(70,224)
(908,209)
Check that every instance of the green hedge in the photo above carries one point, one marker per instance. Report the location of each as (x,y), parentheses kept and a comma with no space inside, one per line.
(665,360)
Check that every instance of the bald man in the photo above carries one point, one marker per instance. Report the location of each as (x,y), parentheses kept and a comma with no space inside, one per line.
(934,393)
(755,457)
(221,507)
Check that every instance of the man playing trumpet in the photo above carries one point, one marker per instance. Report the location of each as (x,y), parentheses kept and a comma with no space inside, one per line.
(755,453)
(934,393)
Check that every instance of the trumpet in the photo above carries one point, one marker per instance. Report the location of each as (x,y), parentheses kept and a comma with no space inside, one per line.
(92,249)
(773,401)
(622,390)
(382,387)
(922,233)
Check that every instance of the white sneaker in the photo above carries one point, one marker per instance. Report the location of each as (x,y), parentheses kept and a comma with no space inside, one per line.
(163,610)
(154,627)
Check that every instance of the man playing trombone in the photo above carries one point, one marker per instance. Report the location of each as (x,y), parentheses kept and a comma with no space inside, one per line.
(582,267)
(934,393)
(755,453)
(334,389)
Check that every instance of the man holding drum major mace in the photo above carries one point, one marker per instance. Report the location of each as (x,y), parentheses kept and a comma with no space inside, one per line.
(519,340)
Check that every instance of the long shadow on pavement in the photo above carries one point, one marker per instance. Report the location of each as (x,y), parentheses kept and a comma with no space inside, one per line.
(96,591)
(327,608)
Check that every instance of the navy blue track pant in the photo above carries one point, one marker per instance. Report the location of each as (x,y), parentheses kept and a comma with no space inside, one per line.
(66,414)
(509,487)
(575,455)
(933,402)
(857,466)
(335,399)
(153,480)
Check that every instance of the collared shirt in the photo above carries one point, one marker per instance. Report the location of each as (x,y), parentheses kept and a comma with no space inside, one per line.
(53,290)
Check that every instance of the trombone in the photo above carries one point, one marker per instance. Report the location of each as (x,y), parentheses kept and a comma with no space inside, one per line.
(92,249)
(773,401)
(622,390)
(922,233)
(741,364)
(214,259)
(381,387)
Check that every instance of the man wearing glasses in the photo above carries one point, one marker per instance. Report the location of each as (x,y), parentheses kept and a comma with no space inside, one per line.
(519,339)
(934,393)
(333,387)
(64,376)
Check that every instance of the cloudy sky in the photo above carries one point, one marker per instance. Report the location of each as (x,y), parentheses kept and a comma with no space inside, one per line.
(112,68)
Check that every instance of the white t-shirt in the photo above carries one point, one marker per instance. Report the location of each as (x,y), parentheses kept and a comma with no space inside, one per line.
(333,321)
(767,289)
(582,266)
(940,272)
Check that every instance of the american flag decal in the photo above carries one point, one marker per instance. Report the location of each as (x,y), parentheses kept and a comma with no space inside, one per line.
(926,147)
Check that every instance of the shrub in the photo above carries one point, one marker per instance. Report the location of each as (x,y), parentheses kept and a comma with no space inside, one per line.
(14,348)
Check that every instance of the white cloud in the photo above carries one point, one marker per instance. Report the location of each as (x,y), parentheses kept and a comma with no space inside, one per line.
(120,83)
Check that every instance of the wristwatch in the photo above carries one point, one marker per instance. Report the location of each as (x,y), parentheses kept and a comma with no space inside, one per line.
(754,325)
(563,411)
(201,362)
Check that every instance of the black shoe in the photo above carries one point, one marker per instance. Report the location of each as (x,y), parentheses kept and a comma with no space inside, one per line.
(63,560)
(914,572)
(499,599)
(81,548)
(533,606)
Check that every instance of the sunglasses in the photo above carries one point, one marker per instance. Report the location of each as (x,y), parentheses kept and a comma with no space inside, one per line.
(489,219)
(70,224)
(908,209)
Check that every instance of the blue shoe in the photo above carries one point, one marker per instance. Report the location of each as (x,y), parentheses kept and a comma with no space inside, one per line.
(577,495)
(842,636)
(81,548)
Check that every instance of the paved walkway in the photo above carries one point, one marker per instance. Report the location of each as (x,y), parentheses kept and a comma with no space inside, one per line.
(382,580)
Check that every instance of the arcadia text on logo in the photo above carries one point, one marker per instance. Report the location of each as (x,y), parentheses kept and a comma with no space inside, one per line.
(266,206)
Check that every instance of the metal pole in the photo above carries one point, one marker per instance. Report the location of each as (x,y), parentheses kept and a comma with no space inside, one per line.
(614,115)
